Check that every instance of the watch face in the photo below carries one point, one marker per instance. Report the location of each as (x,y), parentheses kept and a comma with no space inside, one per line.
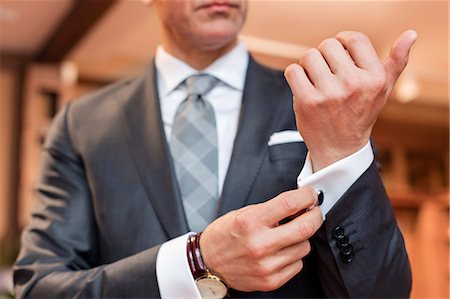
(211,287)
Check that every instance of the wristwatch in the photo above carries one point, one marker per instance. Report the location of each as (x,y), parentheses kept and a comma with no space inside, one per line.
(209,285)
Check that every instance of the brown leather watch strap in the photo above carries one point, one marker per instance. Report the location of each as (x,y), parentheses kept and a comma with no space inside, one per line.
(195,258)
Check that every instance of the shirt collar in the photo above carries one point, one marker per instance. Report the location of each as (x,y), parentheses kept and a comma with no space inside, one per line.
(230,68)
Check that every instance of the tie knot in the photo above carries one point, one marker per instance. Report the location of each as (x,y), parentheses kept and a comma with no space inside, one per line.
(200,85)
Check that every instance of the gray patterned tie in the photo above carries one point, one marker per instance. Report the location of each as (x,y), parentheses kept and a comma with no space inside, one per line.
(194,151)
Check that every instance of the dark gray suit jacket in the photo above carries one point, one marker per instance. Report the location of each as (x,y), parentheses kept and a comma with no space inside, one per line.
(108,198)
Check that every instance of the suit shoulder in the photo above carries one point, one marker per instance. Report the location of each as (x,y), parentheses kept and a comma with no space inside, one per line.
(97,114)
(104,95)
(101,106)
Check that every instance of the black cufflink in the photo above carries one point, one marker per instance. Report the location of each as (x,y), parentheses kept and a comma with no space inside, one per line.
(320,197)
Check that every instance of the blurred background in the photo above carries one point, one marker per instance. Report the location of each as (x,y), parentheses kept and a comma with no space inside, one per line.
(52,51)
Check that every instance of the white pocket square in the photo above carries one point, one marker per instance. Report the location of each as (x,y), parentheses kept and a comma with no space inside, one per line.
(285,137)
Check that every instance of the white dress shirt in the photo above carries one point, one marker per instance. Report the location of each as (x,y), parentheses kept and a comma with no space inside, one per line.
(172,269)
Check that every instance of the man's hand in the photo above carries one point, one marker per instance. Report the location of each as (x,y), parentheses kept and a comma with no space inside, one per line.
(251,252)
(339,90)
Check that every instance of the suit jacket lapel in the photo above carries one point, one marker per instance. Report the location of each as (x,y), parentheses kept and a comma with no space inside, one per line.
(150,152)
(259,111)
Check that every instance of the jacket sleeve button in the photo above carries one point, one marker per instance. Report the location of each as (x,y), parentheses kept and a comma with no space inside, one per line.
(348,257)
(342,242)
(347,249)
(338,232)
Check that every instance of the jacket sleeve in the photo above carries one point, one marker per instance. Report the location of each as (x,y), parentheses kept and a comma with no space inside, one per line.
(59,250)
(377,265)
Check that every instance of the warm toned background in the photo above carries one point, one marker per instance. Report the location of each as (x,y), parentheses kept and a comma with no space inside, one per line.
(51,51)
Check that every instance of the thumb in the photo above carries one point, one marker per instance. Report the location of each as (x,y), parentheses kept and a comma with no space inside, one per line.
(398,58)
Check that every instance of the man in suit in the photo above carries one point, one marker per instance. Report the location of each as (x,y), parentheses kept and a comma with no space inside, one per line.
(113,219)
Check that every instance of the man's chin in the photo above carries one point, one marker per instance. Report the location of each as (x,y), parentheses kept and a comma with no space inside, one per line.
(213,42)
(221,29)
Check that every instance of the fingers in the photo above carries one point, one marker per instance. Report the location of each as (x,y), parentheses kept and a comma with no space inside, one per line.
(398,58)
(298,80)
(336,56)
(287,256)
(298,230)
(284,205)
(335,60)
(290,270)
(317,68)
(248,239)
(361,50)
(276,281)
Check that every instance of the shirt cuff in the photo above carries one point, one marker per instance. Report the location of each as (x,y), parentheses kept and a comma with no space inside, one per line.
(335,179)
(174,276)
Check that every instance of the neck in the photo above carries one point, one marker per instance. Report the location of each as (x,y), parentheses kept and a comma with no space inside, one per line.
(196,57)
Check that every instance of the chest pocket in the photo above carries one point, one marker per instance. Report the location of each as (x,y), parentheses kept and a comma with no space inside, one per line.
(288,151)
(287,159)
